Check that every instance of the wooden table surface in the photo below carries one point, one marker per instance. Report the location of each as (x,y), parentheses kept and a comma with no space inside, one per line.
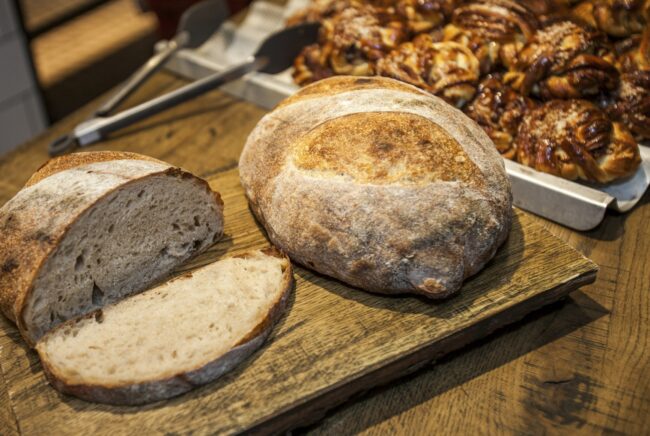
(578,366)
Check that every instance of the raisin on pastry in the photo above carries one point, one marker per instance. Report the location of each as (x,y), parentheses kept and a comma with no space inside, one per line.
(575,139)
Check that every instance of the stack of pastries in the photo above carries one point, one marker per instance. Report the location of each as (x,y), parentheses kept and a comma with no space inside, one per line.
(562,86)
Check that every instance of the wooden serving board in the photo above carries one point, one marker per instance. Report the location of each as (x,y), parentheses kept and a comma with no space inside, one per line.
(333,342)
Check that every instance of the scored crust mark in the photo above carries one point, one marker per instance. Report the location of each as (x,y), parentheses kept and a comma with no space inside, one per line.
(359,193)
(385,148)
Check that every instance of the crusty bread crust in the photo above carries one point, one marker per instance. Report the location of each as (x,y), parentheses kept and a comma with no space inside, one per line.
(65,162)
(178,383)
(30,230)
(408,195)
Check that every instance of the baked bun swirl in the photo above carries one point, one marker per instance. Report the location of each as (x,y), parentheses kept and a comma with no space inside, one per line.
(630,104)
(497,20)
(499,109)
(350,43)
(618,18)
(422,15)
(574,139)
(486,25)
(633,53)
(564,60)
(446,69)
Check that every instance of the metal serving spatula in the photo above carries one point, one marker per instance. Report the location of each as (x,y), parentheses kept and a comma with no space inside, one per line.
(274,55)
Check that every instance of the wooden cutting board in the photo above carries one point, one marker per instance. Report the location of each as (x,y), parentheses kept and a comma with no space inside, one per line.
(333,342)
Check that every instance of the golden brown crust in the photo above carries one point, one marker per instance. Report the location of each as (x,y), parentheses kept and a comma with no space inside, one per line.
(72,160)
(322,194)
(384,148)
(574,139)
(338,84)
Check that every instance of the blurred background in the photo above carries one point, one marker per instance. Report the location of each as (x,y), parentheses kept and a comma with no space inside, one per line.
(57,55)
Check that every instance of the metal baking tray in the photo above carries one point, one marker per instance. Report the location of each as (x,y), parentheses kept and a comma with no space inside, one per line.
(576,205)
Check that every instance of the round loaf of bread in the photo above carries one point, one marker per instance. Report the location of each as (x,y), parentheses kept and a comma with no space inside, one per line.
(378,184)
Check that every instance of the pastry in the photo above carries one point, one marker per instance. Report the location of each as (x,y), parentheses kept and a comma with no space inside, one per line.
(499,109)
(564,60)
(447,69)
(574,139)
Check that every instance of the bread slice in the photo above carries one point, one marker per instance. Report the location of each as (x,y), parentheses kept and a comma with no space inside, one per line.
(91,228)
(167,340)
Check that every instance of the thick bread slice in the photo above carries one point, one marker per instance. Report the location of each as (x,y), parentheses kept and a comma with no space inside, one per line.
(90,228)
(169,339)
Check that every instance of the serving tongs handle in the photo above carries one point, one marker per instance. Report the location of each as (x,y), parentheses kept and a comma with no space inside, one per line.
(97,128)
(143,73)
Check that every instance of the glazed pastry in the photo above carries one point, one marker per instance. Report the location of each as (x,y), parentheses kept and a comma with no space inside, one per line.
(319,10)
(633,53)
(574,139)
(499,109)
(618,18)
(446,69)
(564,60)
(630,104)
(505,24)
(350,43)
(423,15)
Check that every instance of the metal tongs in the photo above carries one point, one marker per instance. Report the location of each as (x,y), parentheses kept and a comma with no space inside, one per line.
(276,53)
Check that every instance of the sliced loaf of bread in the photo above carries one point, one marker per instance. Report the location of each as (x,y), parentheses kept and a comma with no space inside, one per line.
(171,338)
(90,228)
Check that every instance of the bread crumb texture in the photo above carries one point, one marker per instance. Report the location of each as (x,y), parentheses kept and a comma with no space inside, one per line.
(172,329)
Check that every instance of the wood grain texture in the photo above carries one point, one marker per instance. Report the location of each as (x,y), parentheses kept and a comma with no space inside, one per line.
(333,342)
(577,366)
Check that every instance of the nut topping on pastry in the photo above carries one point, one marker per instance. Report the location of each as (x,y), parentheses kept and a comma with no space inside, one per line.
(498,109)
(446,69)
(564,60)
(575,139)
